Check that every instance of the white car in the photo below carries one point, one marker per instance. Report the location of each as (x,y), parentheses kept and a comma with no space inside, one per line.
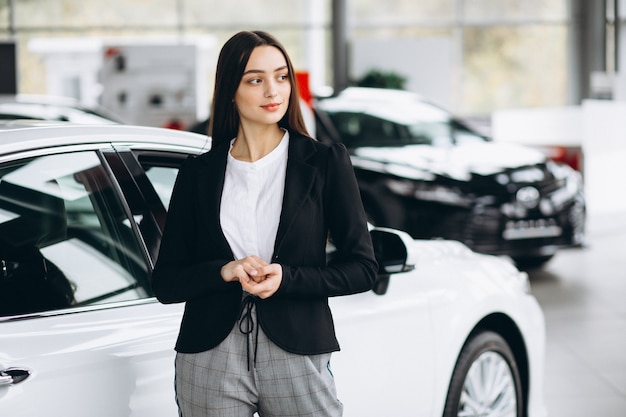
(446,332)
(36,107)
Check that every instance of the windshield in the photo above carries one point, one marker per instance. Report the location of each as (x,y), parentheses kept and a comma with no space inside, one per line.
(367,130)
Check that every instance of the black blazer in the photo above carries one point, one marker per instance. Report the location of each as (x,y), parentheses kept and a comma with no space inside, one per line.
(321,196)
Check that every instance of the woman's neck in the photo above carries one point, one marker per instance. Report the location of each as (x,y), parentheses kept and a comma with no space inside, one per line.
(253,144)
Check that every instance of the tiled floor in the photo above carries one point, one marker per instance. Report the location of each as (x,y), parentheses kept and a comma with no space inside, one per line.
(583,295)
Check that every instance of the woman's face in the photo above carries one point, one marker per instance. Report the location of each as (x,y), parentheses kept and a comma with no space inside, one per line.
(263,93)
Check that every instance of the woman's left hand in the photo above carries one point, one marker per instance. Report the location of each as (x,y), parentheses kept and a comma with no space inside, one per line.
(264,281)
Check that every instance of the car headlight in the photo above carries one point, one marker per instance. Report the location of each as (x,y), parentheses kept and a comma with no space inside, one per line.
(430,192)
(564,195)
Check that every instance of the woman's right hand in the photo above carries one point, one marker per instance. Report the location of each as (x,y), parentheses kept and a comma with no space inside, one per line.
(243,270)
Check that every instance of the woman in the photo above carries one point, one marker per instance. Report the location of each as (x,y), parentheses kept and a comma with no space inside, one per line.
(244,248)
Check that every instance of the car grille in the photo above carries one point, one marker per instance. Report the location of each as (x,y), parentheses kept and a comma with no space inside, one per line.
(516,187)
(514,218)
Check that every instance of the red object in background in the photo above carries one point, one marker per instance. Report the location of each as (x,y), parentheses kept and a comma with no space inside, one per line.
(569,156)
(302,77)
(174,124)
(111,52)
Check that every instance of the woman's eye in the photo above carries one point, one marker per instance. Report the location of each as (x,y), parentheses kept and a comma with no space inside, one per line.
(283,77)
(255,81)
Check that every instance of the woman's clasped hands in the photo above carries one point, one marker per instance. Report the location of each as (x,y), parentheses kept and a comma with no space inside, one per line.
(256,276)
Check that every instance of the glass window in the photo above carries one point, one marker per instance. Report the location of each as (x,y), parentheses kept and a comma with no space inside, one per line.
(482,10)
(65,237)
(161,169)
(402,10)
(463,135)
(94,14)
(162,179)
(527,75)
(361,130)
(495,61)
(489,67)
(4,18)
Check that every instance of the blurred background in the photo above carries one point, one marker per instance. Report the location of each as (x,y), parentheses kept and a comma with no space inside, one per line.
(544,73)
(471,56)
(521,71)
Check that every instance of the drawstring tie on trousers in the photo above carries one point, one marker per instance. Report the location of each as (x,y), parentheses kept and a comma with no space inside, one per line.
(247,325)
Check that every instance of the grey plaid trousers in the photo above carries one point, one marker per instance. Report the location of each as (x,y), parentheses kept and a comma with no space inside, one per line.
(247,373)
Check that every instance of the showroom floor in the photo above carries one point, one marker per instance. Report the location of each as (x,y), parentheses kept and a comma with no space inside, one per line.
(583,295)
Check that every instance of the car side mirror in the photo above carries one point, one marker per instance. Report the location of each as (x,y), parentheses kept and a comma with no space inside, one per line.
(391,251)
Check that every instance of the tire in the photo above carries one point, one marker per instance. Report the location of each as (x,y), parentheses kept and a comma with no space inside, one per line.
(485,380)
(532,262)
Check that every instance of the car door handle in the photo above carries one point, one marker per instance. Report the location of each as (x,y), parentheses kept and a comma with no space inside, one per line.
(12,376)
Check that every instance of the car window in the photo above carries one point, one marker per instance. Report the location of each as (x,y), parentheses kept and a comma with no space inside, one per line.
(364,130)
(162,179)
(361,130)
(161,168)
(463,135)
(65,237)
(431,133)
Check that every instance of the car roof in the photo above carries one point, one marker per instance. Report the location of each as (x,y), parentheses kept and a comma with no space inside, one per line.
(23,135)
(403,107)
(14,106)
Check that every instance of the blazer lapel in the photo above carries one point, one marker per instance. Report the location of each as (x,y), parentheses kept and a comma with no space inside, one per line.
(298,183)
(210,190)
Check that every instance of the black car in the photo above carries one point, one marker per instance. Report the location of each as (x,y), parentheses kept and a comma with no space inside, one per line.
(426,172)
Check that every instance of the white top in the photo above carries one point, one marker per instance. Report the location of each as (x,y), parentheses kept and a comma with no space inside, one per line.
(252,201)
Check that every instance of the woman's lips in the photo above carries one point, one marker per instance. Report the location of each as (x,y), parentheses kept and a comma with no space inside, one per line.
(271,106)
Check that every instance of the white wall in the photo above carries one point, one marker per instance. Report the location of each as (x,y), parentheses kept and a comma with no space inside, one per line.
(427,63)
(604,147)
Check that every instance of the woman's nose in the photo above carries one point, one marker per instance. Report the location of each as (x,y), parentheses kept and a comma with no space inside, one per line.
(271,90)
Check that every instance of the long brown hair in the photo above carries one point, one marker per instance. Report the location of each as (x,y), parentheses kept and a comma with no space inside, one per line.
(231,63)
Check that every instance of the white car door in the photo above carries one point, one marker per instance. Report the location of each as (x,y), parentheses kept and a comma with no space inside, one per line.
(110,362)
(80,334)
(387,361)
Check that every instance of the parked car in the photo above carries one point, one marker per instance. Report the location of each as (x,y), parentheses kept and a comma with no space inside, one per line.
(426,172)
(38,107)
(446,331)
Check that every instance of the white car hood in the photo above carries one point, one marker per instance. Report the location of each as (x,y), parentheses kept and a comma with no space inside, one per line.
(429,255)
(458,162)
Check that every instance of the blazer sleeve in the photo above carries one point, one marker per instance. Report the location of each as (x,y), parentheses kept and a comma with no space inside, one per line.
(353,269)
(181,272)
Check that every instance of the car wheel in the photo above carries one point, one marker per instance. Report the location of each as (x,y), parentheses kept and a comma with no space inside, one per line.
(486,380)
(532,262)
